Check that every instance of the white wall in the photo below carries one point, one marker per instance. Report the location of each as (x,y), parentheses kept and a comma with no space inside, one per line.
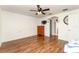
(15,26)
(63,29)
(47,29)
(66,32)
(0,28)
(74,25)
(69,32)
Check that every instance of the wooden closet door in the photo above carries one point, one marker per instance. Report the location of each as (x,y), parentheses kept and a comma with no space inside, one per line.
(40,30)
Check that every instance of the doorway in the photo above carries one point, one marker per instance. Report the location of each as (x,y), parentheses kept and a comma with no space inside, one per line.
(53,26)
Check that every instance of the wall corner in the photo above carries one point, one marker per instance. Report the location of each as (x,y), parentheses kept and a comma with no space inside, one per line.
(0,44)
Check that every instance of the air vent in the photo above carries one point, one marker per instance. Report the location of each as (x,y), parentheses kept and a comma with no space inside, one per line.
(64,9)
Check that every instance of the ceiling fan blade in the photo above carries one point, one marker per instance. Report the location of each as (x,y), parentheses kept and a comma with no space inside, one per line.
(38,6)
(46,9)
(42,12)
(33,10)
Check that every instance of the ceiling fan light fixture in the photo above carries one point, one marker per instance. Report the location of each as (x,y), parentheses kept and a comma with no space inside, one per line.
(38,13)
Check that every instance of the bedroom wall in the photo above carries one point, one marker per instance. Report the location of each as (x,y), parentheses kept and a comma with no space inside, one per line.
(66,32)
(69,32)
(0,28)
(15,26)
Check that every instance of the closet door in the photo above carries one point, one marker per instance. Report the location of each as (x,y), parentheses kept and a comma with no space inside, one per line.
(40,30)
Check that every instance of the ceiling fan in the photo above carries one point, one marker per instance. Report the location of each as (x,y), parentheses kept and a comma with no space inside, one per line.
(40,10)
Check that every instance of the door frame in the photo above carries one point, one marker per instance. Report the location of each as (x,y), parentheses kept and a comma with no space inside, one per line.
(55,18)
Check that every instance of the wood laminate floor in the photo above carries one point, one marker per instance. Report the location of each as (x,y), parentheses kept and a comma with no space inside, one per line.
(33,44)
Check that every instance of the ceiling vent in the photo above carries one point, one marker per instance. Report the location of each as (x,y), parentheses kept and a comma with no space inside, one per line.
(65,9)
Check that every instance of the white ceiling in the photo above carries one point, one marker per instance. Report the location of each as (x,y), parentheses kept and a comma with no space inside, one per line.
(25,9)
